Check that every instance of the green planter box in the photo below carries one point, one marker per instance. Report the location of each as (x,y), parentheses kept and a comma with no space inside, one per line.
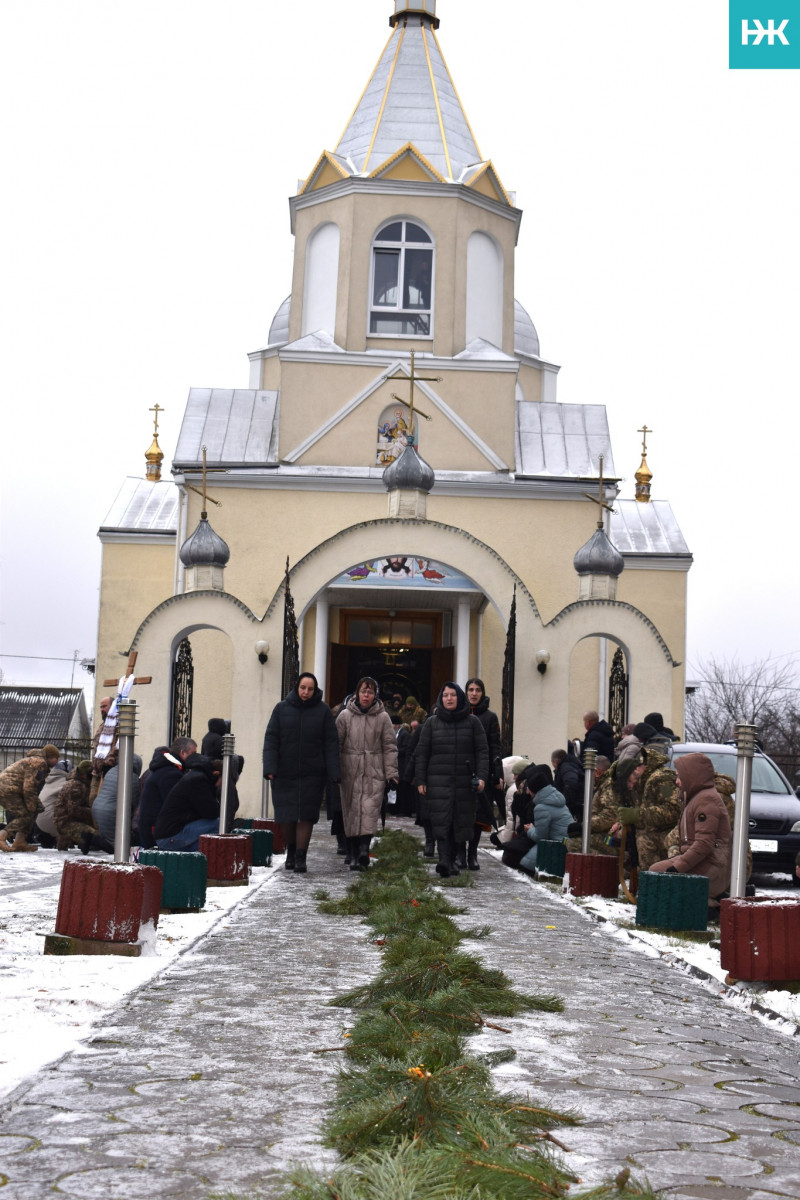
(262,840)
(672,901)
(243,823)
(551,858)
(184,878)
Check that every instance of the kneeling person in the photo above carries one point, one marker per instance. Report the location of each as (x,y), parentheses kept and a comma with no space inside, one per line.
(191,808)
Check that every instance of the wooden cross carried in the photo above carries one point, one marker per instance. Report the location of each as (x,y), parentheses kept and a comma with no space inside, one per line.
(204,493)
(599,498)
(134,654)
(414,378)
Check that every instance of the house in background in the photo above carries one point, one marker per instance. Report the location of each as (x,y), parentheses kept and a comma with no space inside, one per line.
(33,716)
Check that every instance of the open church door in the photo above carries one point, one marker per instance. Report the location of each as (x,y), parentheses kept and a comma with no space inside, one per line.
(442,667)
(337,673)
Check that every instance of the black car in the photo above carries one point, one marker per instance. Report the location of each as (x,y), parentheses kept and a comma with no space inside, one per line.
(774,807)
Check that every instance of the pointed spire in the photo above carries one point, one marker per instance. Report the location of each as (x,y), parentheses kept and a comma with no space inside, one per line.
(155,455)
(644,476)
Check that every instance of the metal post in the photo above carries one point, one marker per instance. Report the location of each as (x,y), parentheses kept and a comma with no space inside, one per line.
(228,743)
(126,728)
(265,805)
(589,764)
(745,745)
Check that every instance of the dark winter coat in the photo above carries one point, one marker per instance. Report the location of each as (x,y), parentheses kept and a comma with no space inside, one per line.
(569,779)
(194,797)
(600,737)
(104,808)
(368,752)
(452,747)
(211,745)
(163,774)
(705,828)
(301,753)
(491,727)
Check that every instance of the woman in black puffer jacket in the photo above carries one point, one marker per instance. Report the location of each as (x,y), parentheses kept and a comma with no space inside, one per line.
(301,755)
(467,856)
(452,750)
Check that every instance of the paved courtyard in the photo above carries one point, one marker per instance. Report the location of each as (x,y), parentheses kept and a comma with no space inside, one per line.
(206,1080)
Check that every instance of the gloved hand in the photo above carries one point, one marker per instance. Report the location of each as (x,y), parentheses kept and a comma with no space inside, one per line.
(628,816)
(495,840)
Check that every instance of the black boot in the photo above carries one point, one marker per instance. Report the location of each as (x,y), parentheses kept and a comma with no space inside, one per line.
(341,844)
(430,849)
(291,851)
(300,867)
(460,856)
(445,866)
(363,851)
(472,853)
(355,865)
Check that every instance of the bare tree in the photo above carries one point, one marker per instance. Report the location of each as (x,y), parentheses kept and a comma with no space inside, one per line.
(765,694)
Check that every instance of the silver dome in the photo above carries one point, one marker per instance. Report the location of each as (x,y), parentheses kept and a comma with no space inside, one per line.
(279,329)
(599,557)
(526,339)
(409,472)
(204,548)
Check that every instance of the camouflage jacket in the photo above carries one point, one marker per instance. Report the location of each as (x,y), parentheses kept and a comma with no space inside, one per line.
(656,795)
(73,802)
(24,779)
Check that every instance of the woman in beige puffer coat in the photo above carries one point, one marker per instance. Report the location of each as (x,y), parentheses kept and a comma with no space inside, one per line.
(368,759)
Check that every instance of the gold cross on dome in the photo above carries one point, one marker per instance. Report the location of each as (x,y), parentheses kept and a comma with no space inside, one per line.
(156,409)
(599,498)
(204,492)
(644,430)
(409,404)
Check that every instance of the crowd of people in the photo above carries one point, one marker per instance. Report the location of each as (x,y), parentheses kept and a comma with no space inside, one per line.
(370,755)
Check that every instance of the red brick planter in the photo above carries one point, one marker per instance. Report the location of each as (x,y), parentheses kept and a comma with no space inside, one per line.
(107,902)
(760,939)
(592,875)
(230,858)
(278,840)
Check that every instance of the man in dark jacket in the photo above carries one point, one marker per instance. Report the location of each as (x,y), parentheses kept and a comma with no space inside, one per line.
(569,780)
(211,745)
(166,768)
(599,735)
(191,807)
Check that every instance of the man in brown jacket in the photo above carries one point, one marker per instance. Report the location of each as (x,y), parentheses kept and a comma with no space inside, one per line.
(20,785)
(705,827)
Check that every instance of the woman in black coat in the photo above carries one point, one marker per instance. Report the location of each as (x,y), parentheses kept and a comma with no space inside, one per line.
(452,751)
(301,755)
(479,706)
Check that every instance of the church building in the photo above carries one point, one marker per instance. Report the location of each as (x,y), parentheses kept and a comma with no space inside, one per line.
(402,446)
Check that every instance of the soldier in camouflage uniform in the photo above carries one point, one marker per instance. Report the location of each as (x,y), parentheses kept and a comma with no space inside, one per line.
(73,812)
(654,808)
(20,785)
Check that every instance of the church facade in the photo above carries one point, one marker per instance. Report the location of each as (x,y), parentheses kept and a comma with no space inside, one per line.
(402,445)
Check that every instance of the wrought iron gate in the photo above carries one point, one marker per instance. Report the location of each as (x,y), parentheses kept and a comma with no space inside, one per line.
(618,693)
(291,644)
(507,714)
(182,687)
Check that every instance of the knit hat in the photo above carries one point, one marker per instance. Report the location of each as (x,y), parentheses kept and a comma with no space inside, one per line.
(84,767)
(645,732)
(50,751)
(656,720)
(623,769)
(520,765)
(537,777)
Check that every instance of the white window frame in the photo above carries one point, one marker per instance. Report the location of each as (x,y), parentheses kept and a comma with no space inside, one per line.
(402,246)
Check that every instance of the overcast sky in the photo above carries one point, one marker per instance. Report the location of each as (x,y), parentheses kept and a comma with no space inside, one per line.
(148,153)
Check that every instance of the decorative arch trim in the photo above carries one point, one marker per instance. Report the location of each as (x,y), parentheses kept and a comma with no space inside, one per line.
(618,605)
(188,598)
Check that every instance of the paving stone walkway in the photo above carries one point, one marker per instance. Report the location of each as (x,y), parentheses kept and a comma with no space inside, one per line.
(205,1081)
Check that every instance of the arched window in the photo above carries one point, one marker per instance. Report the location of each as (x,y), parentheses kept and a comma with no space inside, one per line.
(393,429)
(401,287)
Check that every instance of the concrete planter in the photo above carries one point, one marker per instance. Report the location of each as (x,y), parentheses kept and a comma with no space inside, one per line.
(184,874)
(105,903)
(672,901)
(760,939)
(230,858)
(262,840)
(592,875)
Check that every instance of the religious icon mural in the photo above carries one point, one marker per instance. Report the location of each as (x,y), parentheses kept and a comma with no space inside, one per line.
(405,569)
(393,430)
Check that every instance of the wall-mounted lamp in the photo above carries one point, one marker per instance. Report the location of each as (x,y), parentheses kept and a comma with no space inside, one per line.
(262,650)
(542,659)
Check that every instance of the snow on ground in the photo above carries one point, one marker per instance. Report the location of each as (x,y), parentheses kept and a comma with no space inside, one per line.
(779,1005)
(56,1000)
(51,1002)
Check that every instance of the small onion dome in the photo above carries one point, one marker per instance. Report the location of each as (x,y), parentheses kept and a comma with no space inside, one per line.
(204,548)
(409,473)
(154,458)
(644,478)
(599,557)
